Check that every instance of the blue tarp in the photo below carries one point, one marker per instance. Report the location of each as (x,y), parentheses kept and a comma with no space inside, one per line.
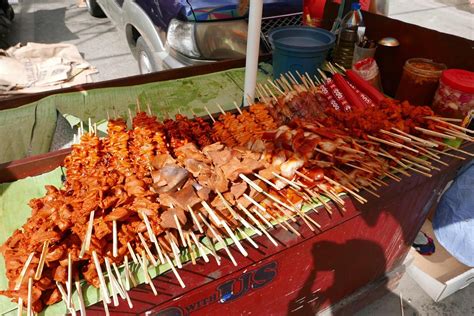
(453,224)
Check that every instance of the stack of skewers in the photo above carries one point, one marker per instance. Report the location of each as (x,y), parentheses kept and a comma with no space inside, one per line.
(142,196)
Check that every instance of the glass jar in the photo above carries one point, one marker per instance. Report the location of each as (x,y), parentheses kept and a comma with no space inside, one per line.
(455,95)
(419,81)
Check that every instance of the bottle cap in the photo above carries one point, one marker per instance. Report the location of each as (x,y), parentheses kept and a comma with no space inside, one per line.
(459,79)
(355,6)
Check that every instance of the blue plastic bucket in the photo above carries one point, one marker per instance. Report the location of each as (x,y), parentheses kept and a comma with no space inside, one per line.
(299,48)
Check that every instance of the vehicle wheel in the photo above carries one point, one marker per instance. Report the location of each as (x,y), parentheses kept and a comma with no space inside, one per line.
(146,62)
(94,9)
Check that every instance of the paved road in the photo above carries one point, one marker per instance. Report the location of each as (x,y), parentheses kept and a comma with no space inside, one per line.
(54,21)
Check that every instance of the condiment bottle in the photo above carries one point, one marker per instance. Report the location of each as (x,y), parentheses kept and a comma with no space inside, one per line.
(419,81)
(455,95)
(352,29)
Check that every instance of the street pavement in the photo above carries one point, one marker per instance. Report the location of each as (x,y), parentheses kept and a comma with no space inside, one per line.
(61,21)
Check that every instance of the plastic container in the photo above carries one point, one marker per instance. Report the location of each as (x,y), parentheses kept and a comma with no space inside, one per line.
(352,29)
(299,48)
(419,81)
(455,95)
(362,53)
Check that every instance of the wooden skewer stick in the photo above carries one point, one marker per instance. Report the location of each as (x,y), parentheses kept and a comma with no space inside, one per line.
(247,237)
(212,214)
(147,249)
(199,246)
(63,296)
(132,253)
(271,92)
(129,276)
(276,87)
(176,251)
(268,182)
(323,152)
(20,307)
(69,280)
(152,236)
(191,250)
(238,107)
(23,271)
(456,133)
(106,307)
(180,231)
(219,239)
(452,148)
(103,285)
(111,281)
(122,285)
(319,198)
(220,108)
(44,252)
(87,239)
(226,204)
(114,239)
(257,223)
(115,281)
(422,141)
(175,272)
(149,281)
(420,172)
(80,297)
(391,143)
(251,200)
(357,196)
(445,121)
(404,138)
(210,115)
(433,133)
(29,310)
(431,155)
(249,226)
(195,219)
(235,239)
(289,182)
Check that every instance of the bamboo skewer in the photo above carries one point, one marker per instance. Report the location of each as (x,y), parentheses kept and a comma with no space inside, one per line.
(148,280)
(422,141)
(219,239)
(201,251)
(446,121)
(132,253)
(175,250)
(452,147)
(193,216)
(147,249)
(122,285)
(180,231)
(113,287)
(259,225)
(20,307)
(82,306)
(44,252)
(433,133)
(87,240)
(29,310)
(23,271)
(247,237)
(175,272)
(69,280)
(114,239)
(153,239)
(191,250)
(103,285)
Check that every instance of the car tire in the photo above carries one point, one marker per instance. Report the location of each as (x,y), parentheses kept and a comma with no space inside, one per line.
(146,62)
(94,9)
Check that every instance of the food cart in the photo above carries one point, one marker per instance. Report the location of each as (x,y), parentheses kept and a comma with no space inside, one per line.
(354,257)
